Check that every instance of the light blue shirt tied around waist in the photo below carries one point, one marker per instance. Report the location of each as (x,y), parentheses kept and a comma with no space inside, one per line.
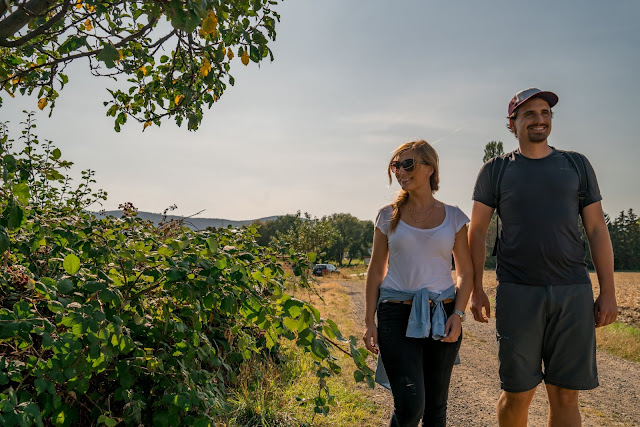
(424,320)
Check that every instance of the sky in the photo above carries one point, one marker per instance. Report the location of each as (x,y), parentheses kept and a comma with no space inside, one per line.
(352,80)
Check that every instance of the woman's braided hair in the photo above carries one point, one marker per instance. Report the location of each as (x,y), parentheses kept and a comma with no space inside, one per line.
(424,152)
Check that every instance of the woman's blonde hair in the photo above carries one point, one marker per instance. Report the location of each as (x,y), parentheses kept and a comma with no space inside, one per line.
(424,152)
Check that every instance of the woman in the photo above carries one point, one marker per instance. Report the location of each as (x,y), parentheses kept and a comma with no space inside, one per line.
(409,284)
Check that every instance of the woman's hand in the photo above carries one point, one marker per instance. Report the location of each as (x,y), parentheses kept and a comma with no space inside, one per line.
(452,329)
(370,338)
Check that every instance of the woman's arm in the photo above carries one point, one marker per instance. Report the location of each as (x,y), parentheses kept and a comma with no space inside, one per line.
(375,274)
(464,285)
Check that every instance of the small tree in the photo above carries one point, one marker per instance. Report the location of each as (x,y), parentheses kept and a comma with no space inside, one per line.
(492,149)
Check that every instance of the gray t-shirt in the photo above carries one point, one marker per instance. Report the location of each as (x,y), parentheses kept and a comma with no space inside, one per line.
(540,242)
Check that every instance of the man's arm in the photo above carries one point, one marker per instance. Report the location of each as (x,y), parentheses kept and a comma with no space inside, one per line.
(480,219)
(606,307)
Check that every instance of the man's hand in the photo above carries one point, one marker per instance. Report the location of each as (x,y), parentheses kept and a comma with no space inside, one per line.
(605,310)
(480,300)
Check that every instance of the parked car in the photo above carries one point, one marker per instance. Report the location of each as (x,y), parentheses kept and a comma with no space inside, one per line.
(325,269)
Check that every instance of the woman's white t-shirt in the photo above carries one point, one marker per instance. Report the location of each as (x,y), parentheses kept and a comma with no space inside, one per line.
(420,258)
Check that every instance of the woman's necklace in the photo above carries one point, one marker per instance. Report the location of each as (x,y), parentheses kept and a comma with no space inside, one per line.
(422,216)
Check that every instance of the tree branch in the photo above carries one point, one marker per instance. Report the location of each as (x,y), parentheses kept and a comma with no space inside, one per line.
(21,17)
(38,31)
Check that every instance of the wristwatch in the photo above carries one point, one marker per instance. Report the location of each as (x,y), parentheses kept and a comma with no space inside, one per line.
(461,314)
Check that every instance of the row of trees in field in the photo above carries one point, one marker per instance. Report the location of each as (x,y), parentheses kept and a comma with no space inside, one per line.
(333,237)
(625,238)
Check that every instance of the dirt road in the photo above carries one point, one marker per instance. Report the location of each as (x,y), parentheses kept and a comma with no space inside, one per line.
(475,387)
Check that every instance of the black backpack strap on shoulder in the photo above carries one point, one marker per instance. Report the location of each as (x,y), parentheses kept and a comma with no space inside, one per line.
(501,163)
(577,163)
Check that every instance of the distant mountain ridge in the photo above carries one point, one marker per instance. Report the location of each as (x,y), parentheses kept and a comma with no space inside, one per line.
(193,223)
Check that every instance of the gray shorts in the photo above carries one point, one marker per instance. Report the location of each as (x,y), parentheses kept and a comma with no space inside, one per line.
(550,327)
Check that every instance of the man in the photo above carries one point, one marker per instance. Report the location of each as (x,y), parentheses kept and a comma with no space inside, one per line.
(545,313)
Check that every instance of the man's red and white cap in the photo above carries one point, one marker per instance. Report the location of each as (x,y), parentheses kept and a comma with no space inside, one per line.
(527,94)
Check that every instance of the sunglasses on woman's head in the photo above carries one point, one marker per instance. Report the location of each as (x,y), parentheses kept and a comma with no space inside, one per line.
(406,164)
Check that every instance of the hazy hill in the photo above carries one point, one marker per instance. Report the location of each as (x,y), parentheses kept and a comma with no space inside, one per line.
(193,223)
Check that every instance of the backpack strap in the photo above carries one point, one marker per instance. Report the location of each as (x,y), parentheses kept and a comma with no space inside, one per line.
(577,163)
(501,163)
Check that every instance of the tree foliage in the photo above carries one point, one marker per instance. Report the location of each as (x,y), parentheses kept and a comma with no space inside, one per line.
(492,149)
(625,238)
(107,321)
(176,55)
(354,237)
(332,238)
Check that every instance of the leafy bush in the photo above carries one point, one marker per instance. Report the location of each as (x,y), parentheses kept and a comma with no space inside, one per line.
(106,320)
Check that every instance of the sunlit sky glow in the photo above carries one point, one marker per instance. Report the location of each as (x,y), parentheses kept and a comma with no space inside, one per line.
(353,79)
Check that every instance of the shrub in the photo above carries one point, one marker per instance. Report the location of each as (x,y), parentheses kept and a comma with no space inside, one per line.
(106,320)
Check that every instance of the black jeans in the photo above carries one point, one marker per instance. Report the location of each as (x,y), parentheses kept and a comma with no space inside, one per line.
(419,369)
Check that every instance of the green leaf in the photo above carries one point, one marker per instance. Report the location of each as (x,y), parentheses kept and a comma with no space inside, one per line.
(72,43)
(311,256)
(319,348)
(21,191)
(64,286)
(109,55)
(56,154)
(213,244)
(71,264)
(109,422)
(10,163)
(4,240)
(16,215)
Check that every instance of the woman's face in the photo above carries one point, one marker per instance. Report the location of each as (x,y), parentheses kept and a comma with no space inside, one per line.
(417,176)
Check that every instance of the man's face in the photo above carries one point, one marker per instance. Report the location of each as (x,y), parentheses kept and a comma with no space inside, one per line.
(533,121)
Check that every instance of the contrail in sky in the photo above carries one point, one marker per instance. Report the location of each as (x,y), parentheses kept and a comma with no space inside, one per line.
(449,134)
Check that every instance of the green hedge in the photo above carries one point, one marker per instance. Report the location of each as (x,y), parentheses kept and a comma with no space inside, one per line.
(107,321)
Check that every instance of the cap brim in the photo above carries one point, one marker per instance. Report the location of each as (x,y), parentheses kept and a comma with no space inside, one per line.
(550,97)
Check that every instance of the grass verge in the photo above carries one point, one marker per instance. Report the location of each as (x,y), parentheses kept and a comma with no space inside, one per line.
(277,393)
(621,340)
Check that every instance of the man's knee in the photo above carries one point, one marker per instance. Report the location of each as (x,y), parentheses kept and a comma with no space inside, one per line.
(515,401)
(562,397)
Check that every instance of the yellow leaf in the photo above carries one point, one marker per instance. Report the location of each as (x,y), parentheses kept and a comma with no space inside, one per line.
(42,103)
(245,57)
(147,124)
(15,80)
(178,99)
(230,54)
(120,53)
(79,4)
(206,68)
(224,50)
(91,8)
(144,70)
(210,23)
(87,25)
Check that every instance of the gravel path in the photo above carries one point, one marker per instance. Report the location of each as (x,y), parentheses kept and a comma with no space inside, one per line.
(475,386)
